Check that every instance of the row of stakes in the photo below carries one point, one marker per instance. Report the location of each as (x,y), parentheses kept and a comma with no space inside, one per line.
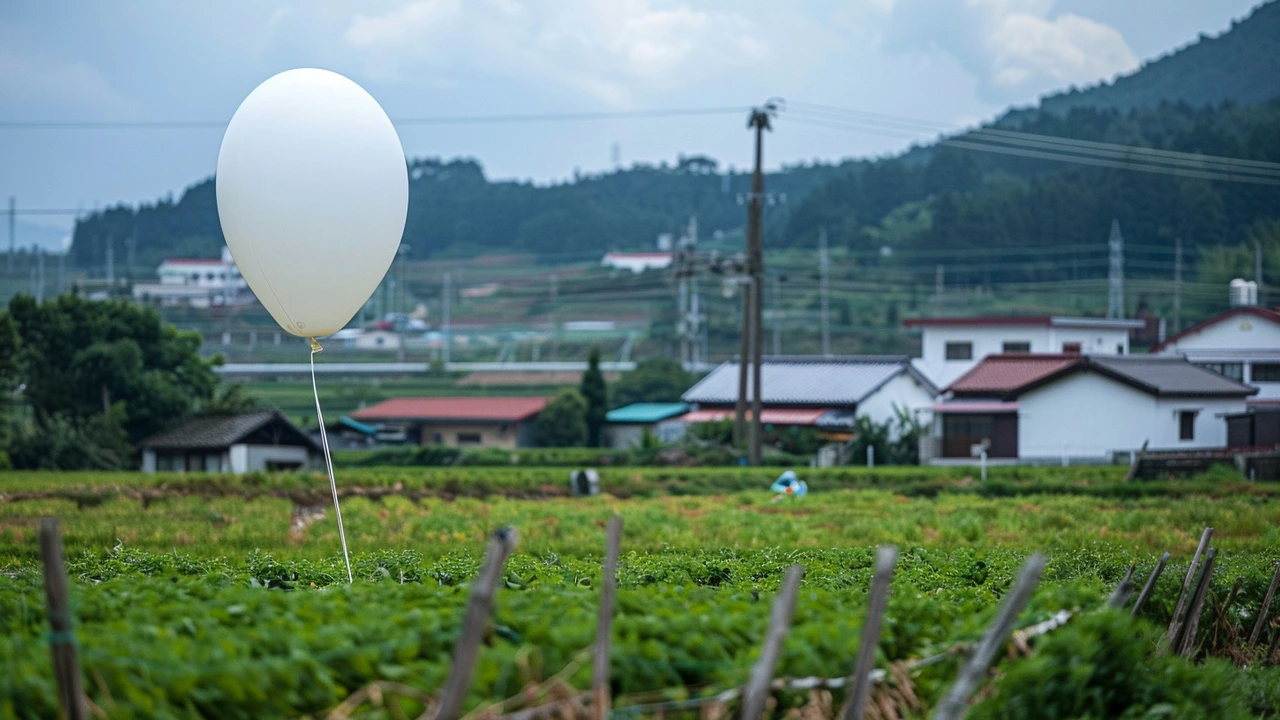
(1180,637)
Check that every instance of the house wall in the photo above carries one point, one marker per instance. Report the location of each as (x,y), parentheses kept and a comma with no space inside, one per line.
(622,437)
(256,457)
(904,391)
(1244,339)
(1088,416)
(504,435)
(989,340)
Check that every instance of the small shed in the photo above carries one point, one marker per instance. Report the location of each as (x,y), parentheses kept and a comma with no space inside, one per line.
(237,444)
(627,425)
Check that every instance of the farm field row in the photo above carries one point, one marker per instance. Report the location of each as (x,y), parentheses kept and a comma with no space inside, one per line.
(235,607)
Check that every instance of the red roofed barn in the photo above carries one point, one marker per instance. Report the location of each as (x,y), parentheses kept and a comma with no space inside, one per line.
(503,422)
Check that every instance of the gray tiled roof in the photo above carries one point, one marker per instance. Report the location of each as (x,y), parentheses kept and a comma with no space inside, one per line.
(216,431)
(1168,376)
(801,380)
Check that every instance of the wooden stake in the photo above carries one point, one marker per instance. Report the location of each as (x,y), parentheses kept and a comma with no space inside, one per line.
(600,697)
(1121,594)
(860,683)
(1175,624)
(474,623)
(1188,641)
(1271,649)
(757,690)
(954,705)
(62,642)
(1151,585)
(1266,607)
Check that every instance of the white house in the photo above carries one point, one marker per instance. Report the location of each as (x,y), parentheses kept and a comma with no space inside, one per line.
(637,262)
(1242,344)
(237,444)
(1082,408)
(825,392)
(198,282)
(950,347)
(377,340)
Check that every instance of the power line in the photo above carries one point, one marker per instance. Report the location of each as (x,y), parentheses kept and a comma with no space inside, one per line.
(420,120)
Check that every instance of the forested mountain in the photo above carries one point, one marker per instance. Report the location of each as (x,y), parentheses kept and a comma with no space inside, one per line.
(454,209)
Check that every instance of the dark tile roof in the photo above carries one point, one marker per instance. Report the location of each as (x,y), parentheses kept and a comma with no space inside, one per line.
(1168,376)
(806,380)
(218,431)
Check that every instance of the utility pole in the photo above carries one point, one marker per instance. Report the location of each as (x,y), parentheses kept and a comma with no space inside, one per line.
(13,230)
(39,275)
(759,120)
(824,270)
(1115,273)
(1257,265)
(132,253)
(111,260)
(1177,285)
(777,314)
(555,323)
(446,295)
(682,300)
(939,285)
(744,356)
(694,324)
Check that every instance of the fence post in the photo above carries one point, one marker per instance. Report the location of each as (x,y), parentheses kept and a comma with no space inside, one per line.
(1192,624)
(871,456)
(1266,607)
(953,706)
(474,623)
(1151,584)
(1122,592)
(62,642)
(982,462)
(601,699)
(860,683)
(757,690)
(1175,624)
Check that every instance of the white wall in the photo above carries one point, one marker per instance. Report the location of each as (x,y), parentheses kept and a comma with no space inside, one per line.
(256,456)
(990,340)
(1087,415)
(1243,339)
(903,390)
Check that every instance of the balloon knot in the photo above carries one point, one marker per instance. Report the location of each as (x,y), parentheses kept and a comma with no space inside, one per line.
(315,346)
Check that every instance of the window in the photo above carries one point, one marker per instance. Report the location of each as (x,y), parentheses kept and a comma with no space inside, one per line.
(1120,349)
(959,351)
(1016,346)
(468,438)
(1266,372)
(1235,371)
(436,438)
(1071,348)
(1187,424)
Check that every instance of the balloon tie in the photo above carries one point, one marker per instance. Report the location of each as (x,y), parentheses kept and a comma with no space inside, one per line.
(328,461)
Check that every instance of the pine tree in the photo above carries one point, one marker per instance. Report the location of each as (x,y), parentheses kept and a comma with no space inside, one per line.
(593,390)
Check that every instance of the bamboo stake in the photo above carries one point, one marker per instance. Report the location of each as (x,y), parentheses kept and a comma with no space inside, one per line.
(601,699)
(1266,607)
(474,623)
(1122,592)
(954,705)
(1151,585)
(62,642)
(886,558)
(1188,641)
(1175,624)
(757,690)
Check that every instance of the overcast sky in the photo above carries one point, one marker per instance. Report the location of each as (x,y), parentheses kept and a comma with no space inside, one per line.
(949,61)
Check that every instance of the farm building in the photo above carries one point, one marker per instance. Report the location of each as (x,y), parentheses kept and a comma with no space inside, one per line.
(237,444)
(824,392)
(502,422)
(950,347)
(1081,408)
(637,262)
(1242,344)
(626,426)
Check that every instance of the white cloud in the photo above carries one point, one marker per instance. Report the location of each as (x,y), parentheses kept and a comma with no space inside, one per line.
(33,78)
(615,52)
(1014,48)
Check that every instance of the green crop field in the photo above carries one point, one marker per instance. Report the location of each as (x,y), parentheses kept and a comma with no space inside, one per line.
(213,596)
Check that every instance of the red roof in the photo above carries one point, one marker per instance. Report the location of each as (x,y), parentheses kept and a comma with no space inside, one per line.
(1264,313)
(483,409)
(981,320)
(774,416)
(1005,374)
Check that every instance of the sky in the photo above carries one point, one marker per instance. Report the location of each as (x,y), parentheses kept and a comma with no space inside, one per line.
(950,62)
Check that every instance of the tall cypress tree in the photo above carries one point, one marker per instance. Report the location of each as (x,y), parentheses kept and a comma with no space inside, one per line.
(593,390)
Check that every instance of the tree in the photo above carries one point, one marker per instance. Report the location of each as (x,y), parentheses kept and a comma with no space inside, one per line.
(656,380)
(562,422)
(102,375)
(596,395)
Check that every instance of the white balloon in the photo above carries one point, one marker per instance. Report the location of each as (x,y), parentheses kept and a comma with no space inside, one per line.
(312,193)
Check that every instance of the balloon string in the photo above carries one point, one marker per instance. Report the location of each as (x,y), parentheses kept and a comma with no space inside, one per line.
(328,462)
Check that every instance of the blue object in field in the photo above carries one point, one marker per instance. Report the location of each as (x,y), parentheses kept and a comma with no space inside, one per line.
(789,484)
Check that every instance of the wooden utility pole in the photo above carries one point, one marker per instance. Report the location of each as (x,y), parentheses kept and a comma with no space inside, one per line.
(759,120)
(824,269)
(744,356)
(1177,287)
